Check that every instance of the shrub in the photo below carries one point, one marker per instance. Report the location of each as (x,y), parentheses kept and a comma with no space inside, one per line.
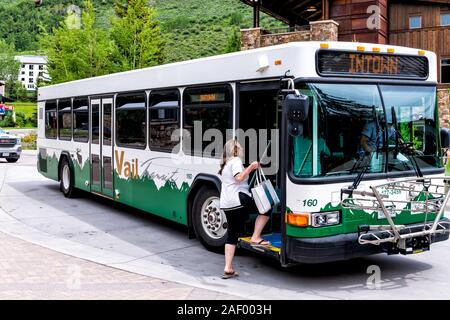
(29,141)
(7,121)
(32,120)
(236,18)
(21,119)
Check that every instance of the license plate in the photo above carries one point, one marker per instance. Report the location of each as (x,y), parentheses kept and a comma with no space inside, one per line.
(390,209)
(6,154)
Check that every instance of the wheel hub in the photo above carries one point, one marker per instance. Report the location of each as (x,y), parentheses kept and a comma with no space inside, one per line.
(213,219)
(66,177)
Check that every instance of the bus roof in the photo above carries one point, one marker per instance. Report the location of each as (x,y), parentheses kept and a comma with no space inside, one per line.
(269,62)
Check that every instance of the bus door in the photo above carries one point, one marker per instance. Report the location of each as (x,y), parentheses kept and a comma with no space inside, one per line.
(101,146)
(259,109)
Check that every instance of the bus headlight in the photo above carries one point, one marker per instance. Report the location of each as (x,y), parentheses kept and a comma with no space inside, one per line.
(322,219)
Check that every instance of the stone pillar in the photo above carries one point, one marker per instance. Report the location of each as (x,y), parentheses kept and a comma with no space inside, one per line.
(444,107)
(324,30)
(250,38)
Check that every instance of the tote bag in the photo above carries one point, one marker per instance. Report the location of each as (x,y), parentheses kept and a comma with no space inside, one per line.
(269,188)
(260,196)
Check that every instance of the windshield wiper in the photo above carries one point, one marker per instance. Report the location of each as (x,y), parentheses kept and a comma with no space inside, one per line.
(406,147)
(365,159)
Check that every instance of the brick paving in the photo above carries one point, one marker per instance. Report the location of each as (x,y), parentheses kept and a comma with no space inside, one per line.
(28,271)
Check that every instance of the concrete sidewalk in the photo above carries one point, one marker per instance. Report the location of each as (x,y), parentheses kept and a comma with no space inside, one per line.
(28,271)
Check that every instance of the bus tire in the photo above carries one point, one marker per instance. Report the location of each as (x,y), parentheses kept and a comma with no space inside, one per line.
(67,179)
(208,220)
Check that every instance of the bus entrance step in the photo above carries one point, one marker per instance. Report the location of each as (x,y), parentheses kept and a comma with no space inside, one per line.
(273,250)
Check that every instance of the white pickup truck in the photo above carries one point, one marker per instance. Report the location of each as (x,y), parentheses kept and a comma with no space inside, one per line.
(10,146)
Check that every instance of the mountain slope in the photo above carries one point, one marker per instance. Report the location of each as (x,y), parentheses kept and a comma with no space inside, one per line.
(192,28)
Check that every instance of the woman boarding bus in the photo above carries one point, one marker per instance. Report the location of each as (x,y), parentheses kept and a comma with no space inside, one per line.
(152,139)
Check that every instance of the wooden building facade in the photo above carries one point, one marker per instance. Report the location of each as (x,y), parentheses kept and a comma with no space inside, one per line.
(422,24)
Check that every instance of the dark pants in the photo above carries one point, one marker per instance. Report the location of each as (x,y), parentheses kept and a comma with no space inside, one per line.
(237,217)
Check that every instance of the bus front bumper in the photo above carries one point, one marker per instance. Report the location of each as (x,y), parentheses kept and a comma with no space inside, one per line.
(340,247)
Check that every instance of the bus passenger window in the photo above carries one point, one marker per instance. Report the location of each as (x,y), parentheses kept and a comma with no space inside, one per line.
(164,119)
(81,120)
(131,120)
(65,119)
(210,109)
(51,120)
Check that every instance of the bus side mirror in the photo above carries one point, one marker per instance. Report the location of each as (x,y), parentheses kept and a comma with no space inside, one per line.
(296,107)
(445,138)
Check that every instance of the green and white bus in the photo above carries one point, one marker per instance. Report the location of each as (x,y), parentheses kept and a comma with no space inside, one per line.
(128,137)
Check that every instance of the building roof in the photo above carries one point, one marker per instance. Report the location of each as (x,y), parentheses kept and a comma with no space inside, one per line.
(302,11)
(291,11)
(32,59)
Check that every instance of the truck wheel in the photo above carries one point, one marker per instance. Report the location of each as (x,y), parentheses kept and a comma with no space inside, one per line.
(210,223)
(12,159)
(67,179)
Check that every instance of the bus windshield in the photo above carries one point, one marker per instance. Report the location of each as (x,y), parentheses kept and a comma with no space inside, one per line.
(391,124)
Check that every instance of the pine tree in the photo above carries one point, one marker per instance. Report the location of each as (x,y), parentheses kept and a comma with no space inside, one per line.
(137,35)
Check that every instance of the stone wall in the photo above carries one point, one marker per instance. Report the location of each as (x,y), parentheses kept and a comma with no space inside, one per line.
(280,38)
(444,107)
(325,30)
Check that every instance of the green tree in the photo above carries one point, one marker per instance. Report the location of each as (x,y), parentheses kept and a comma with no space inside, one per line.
(234,42)
(16,90)
(9,66)
(137,35)
(78,53)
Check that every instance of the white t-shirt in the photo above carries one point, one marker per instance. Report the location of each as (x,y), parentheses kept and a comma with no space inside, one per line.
(229,196)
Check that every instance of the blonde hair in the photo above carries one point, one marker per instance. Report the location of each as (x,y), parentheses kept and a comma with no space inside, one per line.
(231,149)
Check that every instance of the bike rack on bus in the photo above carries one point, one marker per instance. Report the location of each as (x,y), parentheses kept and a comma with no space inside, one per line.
(422,195)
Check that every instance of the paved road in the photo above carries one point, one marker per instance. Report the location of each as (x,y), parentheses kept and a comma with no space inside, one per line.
(32,208)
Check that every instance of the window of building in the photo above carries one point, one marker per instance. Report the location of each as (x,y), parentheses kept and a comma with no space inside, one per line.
(23,66)
(415,22)
(40,74)
(131,123)
(65,119)
(164,119)
(23,79)
(31,66)
(81,119)
(30,80)
(41,67)
(445,70)
(30,86)
(23,72)
(51,120)
(31,73)
(445,19)
(206,108)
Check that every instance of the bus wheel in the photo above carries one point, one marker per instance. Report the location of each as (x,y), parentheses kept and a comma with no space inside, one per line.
(210,223)
(66,184)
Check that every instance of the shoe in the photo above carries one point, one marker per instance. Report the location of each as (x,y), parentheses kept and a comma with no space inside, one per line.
(229,275)
(262,242)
